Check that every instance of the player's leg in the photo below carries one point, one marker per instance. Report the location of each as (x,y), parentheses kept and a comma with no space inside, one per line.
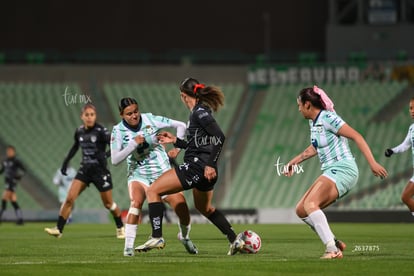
(167,183)
(17,210)
(137,197)
(101,178)
(407,196)
(109,204)
(180,207)
(202,202)
(4,198)
(320,195)
(75,190)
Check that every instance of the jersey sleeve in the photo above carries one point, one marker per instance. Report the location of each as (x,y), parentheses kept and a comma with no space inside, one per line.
(72,151)
(209,124)
(406,144)
(332,122)
(106,135)
(164,122)
(118,152)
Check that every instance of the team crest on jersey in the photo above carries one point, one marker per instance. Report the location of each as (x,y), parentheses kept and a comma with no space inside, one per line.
(149,130)
(318,129)
(93,138)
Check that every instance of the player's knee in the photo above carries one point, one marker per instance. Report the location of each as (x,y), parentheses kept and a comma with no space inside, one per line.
(69,202)
(151,194)
(300,210)
(205,210)
(136,204)
(405,198)
(309,206)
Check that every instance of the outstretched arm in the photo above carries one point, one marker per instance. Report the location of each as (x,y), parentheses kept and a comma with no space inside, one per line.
(70,155)
(309,152)
(354,135)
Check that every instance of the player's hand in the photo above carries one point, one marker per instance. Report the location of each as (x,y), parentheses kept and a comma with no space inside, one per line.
(166,137)
(63,170)
(139,139)
(389,152)
(290,170)
(379,170)
(210,173)
(173,153)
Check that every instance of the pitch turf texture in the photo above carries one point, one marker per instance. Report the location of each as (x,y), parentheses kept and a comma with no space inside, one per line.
(91,249)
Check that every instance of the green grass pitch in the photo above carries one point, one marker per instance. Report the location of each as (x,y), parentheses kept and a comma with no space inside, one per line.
(91,249)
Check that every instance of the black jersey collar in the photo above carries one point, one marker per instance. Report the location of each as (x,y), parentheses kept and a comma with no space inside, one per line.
(317,116)
(134,129)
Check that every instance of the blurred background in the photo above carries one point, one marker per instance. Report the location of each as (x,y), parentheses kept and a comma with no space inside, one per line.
(57,55)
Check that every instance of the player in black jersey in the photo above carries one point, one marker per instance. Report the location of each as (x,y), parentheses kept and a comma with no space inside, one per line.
(92,138)
(199,170)
(13,170)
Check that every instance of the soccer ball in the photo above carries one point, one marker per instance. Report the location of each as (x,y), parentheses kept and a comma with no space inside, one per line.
(252,242)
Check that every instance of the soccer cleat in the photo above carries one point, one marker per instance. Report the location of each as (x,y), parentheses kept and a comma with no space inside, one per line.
(152,243)
(54,232)
(332,255)
(188,244)
(236,246)
(129,252)
(120,233)
(340,245)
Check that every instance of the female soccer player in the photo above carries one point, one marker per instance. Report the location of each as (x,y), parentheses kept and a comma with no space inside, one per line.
(199,170)
(329,140)
(13,169)
(92,138)
(408,193)
(135,138)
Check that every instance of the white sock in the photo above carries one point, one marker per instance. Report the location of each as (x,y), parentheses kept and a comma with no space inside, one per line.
(185,230)
(309,222)
(323,230)
(130,234)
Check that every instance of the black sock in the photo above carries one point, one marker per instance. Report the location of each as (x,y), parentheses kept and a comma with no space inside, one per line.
(61,223)
(220,221)
(156,210)
(17,210)
(118,222)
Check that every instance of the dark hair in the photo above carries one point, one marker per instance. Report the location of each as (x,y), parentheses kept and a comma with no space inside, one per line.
(125,102)
(307,94)
(211,96)
(11,147)
(86,106)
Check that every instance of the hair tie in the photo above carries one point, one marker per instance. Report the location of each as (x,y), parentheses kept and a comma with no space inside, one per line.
(329,105)
(198,85)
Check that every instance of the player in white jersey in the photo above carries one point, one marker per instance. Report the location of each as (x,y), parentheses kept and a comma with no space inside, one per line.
(329,140)
(408,193)
(64,182)
(135,139)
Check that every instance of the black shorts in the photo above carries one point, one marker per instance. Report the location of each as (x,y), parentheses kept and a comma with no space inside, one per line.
(192,176)
(99,176)
(10,185)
